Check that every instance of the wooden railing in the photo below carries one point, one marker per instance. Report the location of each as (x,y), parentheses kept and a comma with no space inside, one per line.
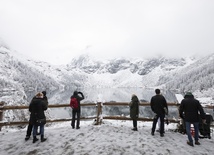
(98,116)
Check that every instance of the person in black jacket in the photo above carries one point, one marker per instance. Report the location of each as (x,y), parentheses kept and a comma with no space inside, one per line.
(76,112)
(189,111)
(45,99)
(37,117)
(30,125)
(134,110)
(159,107)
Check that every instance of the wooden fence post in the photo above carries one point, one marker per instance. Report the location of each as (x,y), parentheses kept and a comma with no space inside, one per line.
(99,112)
(1,112)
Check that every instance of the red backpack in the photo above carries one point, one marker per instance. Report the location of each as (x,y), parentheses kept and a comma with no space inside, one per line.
(74,103)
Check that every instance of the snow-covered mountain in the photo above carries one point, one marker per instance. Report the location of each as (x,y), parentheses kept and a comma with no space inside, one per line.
(123,72)
(23,74)
(19,75)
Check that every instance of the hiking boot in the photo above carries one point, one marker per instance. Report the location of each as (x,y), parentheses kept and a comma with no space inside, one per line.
(77,127)
(72,126)
(190,143)
(152,133)
(35,139)
(27,137)
(43,139)
(162,135)
(197,143)
(134,129)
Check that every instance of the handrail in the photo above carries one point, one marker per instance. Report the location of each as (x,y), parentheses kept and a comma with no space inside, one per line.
(97,117)
(49,106)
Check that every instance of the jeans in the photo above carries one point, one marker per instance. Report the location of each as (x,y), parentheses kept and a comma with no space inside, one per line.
(35,128)
(188,128)
(155,120)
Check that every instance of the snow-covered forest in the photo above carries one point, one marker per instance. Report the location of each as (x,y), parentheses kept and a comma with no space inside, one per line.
(197,77)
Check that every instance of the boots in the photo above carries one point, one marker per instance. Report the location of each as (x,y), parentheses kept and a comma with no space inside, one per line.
(34,139)
(27,137)
(43,139)
(134,129)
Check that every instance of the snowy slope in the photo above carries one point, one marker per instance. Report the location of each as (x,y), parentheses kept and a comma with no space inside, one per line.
(110,138)
(197,77)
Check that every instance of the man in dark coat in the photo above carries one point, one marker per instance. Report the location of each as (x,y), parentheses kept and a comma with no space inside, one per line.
(76,112)
(159,107)
(37,108)
(134,110)
(188,110)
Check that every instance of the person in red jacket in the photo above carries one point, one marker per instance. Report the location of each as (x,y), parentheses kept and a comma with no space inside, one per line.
(76,110)
(189,111)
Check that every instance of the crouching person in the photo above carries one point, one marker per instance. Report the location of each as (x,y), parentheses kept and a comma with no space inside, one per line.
(37,108)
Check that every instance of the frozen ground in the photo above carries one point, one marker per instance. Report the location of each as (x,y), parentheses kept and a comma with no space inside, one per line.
(110,138)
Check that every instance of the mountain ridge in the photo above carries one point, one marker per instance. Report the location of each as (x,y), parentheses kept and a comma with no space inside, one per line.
(84,71)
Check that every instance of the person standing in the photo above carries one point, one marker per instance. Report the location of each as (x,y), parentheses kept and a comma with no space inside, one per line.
(77,109)
(159,107)
(37,108)
(134,110)
(30,125)
(45,99)
(189,111)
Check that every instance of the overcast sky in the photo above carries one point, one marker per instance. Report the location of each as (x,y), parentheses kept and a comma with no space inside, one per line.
(58,30)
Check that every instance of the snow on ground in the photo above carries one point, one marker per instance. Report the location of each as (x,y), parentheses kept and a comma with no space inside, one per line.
(110,138)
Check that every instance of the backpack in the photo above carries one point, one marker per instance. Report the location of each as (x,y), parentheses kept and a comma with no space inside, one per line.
(74,103)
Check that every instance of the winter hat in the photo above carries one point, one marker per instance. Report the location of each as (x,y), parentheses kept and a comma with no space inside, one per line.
(188,94)
(44,93)
(133,95)
(75,93)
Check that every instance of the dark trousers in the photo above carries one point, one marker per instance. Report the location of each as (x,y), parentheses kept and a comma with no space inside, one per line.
(134,123)
(29,129)
(155,119)
(74,114)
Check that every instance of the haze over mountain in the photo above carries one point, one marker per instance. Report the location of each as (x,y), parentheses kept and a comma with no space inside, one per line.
(84,71)
(20,75)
